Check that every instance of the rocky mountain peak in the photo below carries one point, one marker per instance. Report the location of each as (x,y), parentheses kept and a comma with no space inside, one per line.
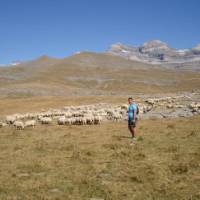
(156,52)
(155,44)
(197,47)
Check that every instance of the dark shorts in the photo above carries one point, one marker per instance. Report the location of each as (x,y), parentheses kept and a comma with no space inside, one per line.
(132,124)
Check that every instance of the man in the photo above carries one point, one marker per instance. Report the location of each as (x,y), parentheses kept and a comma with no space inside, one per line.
(132,117)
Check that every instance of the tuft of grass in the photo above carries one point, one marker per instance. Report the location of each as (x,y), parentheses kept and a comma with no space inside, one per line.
(140,138)
(193,133)
(171,126)
(179,168)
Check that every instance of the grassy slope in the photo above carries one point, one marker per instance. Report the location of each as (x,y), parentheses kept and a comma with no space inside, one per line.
(81,162)
(33,104)
(96,73)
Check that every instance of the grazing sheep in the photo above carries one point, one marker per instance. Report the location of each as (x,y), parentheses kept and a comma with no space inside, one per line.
(2,124)
(61,121)
(46,120)
(10,119)
(30,115)
(19,116)
(56,117)
(68,121)
(97,120)
(89,120)
(39,117)
(72,121)
(77,114)
(179,106)
(124,107)
(117,116)
(19,125)
(194,105)
(68,114)
(150,101)
(30,123)
(170,106)
(84,121)
(46,114)
(77,121)
(149,108)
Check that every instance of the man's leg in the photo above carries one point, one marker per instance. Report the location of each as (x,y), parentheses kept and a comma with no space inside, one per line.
(132,130)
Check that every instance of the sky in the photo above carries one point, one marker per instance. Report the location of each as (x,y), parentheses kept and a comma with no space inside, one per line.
(58,28)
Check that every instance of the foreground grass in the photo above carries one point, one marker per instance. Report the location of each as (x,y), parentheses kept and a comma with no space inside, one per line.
(85,162)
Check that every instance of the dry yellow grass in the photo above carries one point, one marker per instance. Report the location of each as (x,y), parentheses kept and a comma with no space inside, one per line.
(32,104)
(93,74)
(83,162)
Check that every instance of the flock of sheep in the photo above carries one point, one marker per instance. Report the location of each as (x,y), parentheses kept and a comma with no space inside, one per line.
(171,102)
(89,114)
(71,115)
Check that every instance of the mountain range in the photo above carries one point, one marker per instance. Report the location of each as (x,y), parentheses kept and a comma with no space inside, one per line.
(154,52)
(158,52)
(123,69)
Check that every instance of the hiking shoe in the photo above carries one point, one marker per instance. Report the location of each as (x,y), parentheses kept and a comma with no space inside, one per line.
(134,139)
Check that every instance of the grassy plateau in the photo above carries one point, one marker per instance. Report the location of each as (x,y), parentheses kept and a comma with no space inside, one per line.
(98,162)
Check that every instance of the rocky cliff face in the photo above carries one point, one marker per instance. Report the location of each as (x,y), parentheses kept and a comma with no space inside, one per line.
(158,52)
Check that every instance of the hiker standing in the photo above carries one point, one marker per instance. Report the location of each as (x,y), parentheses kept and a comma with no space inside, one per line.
(133,111)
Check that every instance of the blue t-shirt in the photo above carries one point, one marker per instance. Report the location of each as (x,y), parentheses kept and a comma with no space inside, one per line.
(131,109)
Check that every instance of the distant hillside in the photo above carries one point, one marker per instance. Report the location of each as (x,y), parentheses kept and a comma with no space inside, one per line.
(89,73)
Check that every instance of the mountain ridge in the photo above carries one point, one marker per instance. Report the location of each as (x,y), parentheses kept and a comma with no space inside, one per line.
(150,52)
(156,52)
(90,73)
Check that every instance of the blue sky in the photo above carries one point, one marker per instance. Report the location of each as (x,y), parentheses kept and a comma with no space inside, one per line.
(31,28)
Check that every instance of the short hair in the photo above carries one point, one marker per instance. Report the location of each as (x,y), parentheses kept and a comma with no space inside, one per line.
(130,98)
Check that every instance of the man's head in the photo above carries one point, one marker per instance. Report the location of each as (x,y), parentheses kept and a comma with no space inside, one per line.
(130,100)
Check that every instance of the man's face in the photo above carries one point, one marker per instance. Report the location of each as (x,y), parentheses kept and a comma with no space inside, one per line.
(130,101)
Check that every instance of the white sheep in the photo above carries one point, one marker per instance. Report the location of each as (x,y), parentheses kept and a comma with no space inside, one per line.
(97,120)
(117,116)
(19,125)
(2,124)
(10,119)
(68,121)
(194,105)
(47,114)
(89,120)
(150,101)
(124,106)
(170,106)
(72,121)
(68,114)
(78,121)
(31,115)
(19,116)
(179,106)
(61,120)
(30,123)
(46,120)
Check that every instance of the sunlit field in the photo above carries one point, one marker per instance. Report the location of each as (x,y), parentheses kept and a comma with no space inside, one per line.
(98,162)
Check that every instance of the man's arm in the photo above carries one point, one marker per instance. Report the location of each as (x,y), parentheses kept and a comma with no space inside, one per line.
(134,115)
